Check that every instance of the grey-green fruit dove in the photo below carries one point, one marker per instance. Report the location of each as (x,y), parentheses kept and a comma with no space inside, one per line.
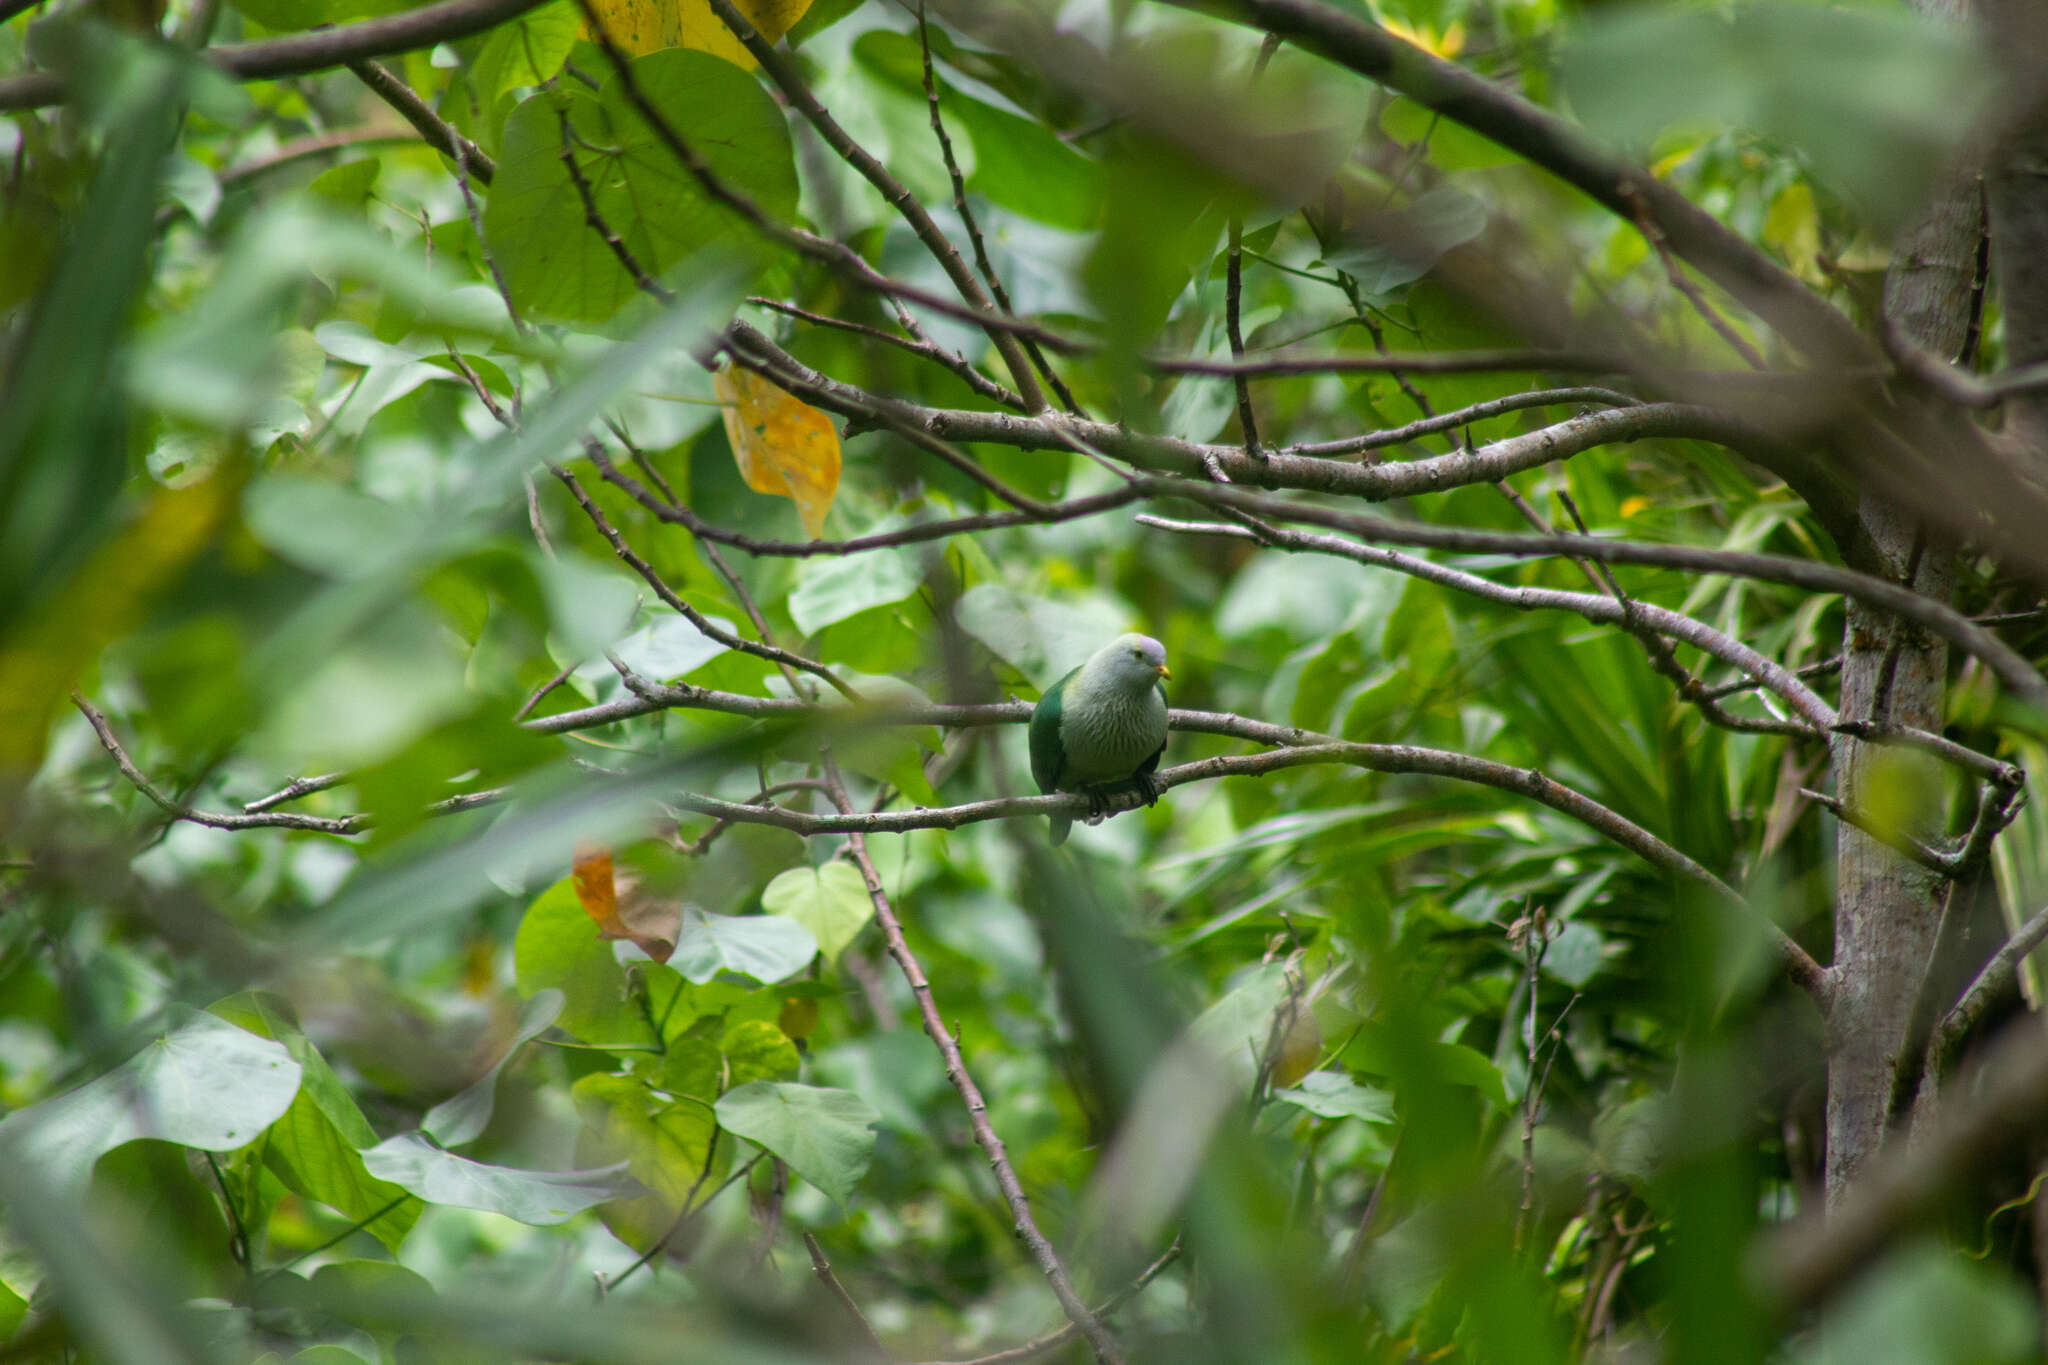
(1102,726)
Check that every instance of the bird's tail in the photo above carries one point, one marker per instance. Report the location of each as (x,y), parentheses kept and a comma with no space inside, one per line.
(1060,825)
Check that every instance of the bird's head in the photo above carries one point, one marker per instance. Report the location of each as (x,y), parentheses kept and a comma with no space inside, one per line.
(1137,661)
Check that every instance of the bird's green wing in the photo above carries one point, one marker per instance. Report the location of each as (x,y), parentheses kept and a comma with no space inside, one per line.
(1048,755)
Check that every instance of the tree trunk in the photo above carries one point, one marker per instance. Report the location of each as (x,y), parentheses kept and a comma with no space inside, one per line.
(1887,907)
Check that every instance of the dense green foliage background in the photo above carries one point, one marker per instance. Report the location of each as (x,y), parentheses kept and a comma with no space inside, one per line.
(1404,1067)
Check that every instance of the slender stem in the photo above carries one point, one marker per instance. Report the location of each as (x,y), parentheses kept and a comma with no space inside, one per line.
(899,196)
(1041,1250)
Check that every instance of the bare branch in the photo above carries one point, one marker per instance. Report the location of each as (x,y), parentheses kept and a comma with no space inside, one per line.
(1055,431)
(704,624)
(985,1135)
(1052,1341)
(438,132)
(1872,732)
(953,362)
(822,1268)
(1449,421)
(899,196)
(1998,978)
(960,205)
(1426,362)
(1938,618)
(1767,672)
(292,790)
(179,810)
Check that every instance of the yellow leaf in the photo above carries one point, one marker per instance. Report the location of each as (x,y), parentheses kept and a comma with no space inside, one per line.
(40,662)
(1632,505)
(782,444)
(643,26)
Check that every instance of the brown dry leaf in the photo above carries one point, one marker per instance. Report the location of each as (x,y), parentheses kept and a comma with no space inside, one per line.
(615,899)
(782,444)
(643,26)
(1299,1049)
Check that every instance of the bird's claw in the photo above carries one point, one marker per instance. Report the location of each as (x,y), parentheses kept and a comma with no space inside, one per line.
(1148,787)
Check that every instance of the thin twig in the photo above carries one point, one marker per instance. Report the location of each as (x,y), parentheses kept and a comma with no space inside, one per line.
(292,791)
(981,257)
(438,132)
(1041,1250)
(705,625)
(822,1268)
(1052,1341)
(179,810)
(899,196)
(952,361)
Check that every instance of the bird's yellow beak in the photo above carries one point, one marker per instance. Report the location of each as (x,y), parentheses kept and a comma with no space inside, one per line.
(1165,672)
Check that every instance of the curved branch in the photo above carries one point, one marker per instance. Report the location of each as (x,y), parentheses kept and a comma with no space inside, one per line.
(1959,630)
(1477,412)
(985,1135)
(315,51)
(180,810)
(1997,979)
(1279,469)
(1594,607)
(1375,362)
(1384,758)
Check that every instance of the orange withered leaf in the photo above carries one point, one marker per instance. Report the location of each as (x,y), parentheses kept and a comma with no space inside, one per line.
(782,444)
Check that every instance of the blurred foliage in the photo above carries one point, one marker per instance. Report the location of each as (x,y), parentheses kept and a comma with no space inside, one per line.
(1414,1070)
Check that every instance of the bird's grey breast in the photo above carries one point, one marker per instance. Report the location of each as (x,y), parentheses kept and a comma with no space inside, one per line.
(1107,741)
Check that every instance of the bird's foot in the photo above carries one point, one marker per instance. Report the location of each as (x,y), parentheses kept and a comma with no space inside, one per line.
(1098,804)
(1148,787)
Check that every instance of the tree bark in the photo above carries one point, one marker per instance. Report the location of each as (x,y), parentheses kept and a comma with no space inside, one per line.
(1887,907)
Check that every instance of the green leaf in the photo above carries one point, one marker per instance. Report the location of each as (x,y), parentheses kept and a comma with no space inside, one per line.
(527,51)
(1236,1029)
(1576,954)
(835,587)
(825,1136)
(557,948)
(1399,247)
(538,1197)
(13,1310)
(664,649)
(756,1050)
(552,261)
(1875,97)
(1018,162)
(348,185)
(315,1149)
(662,1143)
(463,1117)
(286,16)
(1929,1305)
(319,525)
(1334,1095)
(830,901)
(765,947)
(1040,637)
(202,1083)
